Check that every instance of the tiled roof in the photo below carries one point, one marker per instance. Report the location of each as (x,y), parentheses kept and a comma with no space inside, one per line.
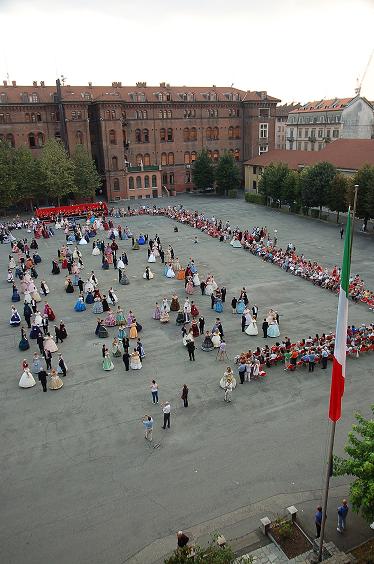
(257,96)
(324,105)
(345,154)
(285,109)
(117,92)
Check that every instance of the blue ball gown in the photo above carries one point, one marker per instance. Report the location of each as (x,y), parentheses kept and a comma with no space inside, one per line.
(80,305)
(240,307)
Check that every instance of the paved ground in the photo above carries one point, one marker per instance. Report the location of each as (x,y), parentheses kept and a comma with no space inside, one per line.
(78,481)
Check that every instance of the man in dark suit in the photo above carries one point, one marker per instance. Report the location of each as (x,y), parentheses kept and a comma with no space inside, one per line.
(40,341)
(223,294)
(243,323)
(265,326)
(43,379)
(126,360)
(191,350)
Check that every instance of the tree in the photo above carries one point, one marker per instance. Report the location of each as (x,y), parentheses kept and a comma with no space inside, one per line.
(336,199)
(27,176)
(57,171)
(291,188)
(227,174)
(360,464)
(203,171)
(315,184)
(365,195)
(272,180)
(7,175)
(86,178)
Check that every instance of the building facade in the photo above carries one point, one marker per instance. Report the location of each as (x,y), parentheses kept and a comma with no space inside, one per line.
(281,117)
(316,124)
(140,126)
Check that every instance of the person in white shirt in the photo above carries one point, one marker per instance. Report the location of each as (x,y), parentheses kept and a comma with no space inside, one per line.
(166,408)
(154,390)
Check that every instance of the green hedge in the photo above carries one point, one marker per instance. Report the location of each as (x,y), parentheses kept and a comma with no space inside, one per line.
(255,198)
(232,193)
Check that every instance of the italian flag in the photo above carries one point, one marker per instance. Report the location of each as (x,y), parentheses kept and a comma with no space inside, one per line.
(338,367)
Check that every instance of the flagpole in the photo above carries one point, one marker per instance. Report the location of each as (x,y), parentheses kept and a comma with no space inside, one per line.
(329,466)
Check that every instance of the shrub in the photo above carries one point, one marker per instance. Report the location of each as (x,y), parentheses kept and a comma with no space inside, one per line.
(284,528)
(314,213)
(232,194)
(255,198)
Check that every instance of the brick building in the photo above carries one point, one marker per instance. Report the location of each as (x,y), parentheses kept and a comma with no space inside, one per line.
(155,128)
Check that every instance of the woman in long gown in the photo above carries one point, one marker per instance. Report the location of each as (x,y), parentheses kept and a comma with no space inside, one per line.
(216,339)
(252,328)
(89,298)
(273,329)
(27,379)
(189,286)
(157,312)
(15,320)
(148,274)
(49,344)
(133,333)
(195,329)
(120,318)
(15,295)
(135,362)
(151,257)
(79,304)
(24,344)
(228,377)
(97,308)
(55,382)
(110,319)
(107,362)
(196,280)
(218,306)
(116,348)
(165,305)
(170,272)
(207,344)
(240,307)
(174,305)
(164,316)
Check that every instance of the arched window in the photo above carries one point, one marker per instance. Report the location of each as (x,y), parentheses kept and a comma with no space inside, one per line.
(193,134)
(113,114)
(79,137)
(193,156)
(237,155)
(114,163)
(164,159)
(34,97)
(115,185)
(170,134)
(170,159)
(10,140)
(237,132)
(186,134)
(138,181)
(146,181)
(208,133)
(27,117)
(32,142)
(215,156)
(138,136)
(145,136)
(215,133)
(145,114)
(231,132)
(169,114)
(154,181)
(33,118)
(147,159)
(160,114)
(131,183)
(162,135)
(139,159)
(40,139)
(112,137)
(187,158)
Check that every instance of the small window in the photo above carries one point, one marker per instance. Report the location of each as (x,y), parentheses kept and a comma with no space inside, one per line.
(38,117)
(231,132)
(237,132)
(170,134)
(154,181)
(139,159)
(32,142)
(3,98)
(146,181)
(162,135)
(79,137)
(113,114)
(145,136)
(186,134)
(2,118)
(193,156)
(164,159)
(170,159)
(335,133)
(147,159)
(112,137)
(10,140)
(171,178)
(145,114)
(115,185)
(263,130)
(28,117)
(138,136)
(209,133)
(138,181)
(33,118)
(40,139)
(114,163)
(164,178)
(131,183)
(34,98)
(193,134)
(169,114)
(215,133)
(187,158)
(237,155)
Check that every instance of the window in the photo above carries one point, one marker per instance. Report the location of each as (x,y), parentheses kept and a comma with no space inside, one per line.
(33,118)
(25,97)
(138,136)
(164,159)
(145,136)
(38,117)
(320,145)
(160,114)
(131,183)
(154,181)
(263,149)
(170,134)
(27,117)
(215,133)
(10,139)
(231,132)
(186,134)
(187,158)
(300,133)
(114,163)
(171,178)
(145,114)
(299,146)
(215,156)
(40,139)
(193,134)
(306,133)
(170,159)
(162,135)
(328,133)
(146,181)
(112,137)
(320,133)
(193,156)
(147,159)
(2,118)
(169,114)
(3,98)
(313,133)
(32,142)
(115,185)
(113,114)
(335,133)
(79,137)
(264,112)
(305,146)
(138,159)
(86,96)
(34,98)
(164,178)
(264,130)
(237,132)
(237,155)
(138,181)
(208,133)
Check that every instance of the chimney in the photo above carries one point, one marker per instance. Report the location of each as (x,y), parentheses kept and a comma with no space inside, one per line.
(162,84)
(90,84)
(34,83)
(14,83)
(42,84)
(5,83)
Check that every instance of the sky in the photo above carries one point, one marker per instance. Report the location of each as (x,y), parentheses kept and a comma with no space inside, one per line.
(296,50)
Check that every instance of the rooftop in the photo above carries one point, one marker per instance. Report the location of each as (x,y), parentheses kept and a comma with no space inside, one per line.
(345,154)
(285,109)
(324,105)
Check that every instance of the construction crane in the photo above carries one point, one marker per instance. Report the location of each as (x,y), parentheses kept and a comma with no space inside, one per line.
(359,82)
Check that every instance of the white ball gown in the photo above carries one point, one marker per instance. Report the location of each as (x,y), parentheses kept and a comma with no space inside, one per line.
(151,258)
(27,379)
(252,328)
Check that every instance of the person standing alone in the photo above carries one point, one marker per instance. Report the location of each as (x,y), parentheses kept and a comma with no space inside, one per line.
(166,408)
(148,427)
(318,521)
(154,391)
(342,516)
(184,395)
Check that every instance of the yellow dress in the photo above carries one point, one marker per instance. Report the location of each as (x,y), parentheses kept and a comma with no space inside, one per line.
(133,334)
